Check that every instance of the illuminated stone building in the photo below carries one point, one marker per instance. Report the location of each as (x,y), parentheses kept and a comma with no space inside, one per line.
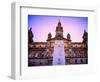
(40,53)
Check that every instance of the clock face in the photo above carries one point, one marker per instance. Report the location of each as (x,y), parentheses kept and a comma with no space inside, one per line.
(59,45)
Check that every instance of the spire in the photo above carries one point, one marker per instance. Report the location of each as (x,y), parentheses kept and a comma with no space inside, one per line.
(59,23)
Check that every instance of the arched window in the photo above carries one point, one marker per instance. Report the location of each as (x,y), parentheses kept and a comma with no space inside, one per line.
(75,61)
(86,61)
(81,61)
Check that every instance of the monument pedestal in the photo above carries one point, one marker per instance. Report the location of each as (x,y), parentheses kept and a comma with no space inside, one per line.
(59,53)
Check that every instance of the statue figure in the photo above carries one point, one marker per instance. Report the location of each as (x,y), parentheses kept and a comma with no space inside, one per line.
(68,36)
(30,36)
(85,36)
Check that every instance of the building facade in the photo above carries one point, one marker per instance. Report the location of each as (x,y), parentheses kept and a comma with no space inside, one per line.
(41,53)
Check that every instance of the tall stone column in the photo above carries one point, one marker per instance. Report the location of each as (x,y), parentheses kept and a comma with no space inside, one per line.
(59,53)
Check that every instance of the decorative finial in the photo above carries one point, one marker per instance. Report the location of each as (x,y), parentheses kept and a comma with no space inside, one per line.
(59,23)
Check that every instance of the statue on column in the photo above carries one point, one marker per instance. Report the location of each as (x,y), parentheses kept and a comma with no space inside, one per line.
(68,36)
(30,35)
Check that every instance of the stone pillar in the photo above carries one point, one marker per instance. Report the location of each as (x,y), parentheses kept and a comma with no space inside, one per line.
(59,53)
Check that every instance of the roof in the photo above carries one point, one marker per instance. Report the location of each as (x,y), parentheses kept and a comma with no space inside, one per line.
(58,38)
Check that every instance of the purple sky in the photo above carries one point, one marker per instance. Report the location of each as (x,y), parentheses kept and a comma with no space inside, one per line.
(42,25)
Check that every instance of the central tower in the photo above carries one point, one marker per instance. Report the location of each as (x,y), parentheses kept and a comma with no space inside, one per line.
(59,52)
(59,30)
